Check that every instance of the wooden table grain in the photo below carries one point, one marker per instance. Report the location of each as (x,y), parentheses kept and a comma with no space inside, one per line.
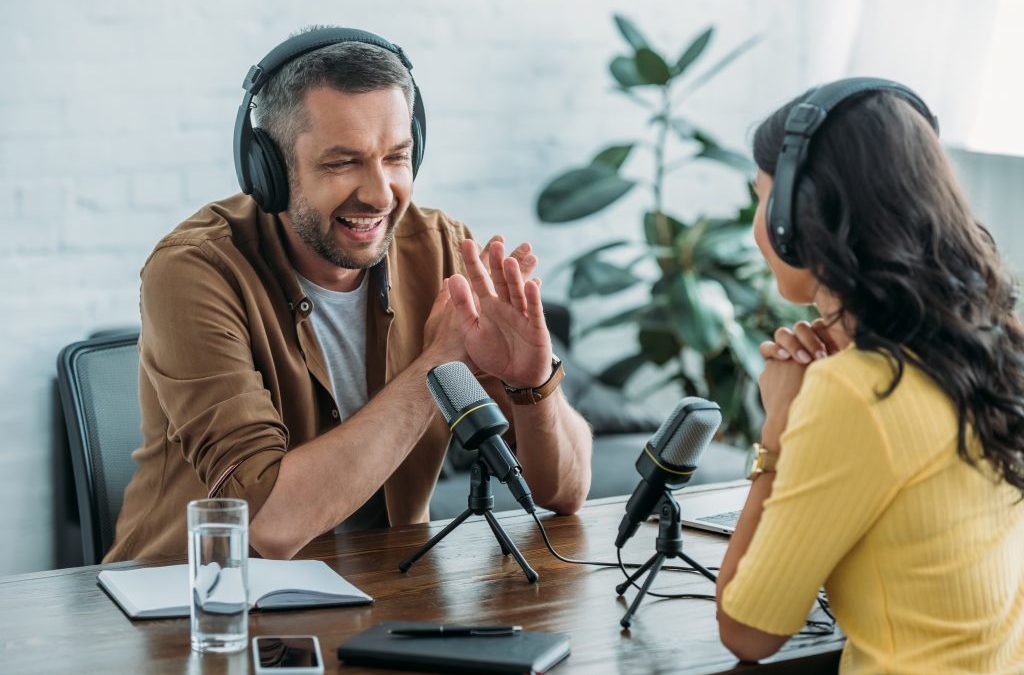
(61,621)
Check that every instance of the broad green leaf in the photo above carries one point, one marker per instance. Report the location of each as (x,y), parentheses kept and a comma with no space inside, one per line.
(658,346)
(699,322)
(745,299)
(580,192)
(613,155)
(725,385)
(746,350)
(618,373)
(629,31)
(661,229)
(731,245)
(694,51)
(652,67)
(624,70)
(592,276)
(649,315)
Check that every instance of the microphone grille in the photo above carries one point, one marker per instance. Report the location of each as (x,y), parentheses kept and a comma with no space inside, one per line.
(454,387)
(681,440)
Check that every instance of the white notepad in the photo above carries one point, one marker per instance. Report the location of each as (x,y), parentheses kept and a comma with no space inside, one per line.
(162,592)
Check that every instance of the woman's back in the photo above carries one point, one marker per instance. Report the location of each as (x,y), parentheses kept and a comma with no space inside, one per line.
(922,554)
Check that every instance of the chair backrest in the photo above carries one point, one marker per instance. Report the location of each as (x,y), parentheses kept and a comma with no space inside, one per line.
(99,390)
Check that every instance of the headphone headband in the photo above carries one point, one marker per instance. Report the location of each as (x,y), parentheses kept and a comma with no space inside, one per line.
(258,164)
(802,122)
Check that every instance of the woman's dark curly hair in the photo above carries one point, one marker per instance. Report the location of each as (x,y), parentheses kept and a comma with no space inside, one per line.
(881,222)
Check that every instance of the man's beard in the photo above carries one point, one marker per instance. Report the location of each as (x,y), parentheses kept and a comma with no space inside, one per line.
(308,222)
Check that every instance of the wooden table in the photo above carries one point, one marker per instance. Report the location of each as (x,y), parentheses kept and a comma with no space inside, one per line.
(60,621)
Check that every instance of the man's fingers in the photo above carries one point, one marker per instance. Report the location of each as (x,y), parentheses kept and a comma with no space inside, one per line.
(478,277)
(514,284)
(462,299)
(534,307)
(496,257)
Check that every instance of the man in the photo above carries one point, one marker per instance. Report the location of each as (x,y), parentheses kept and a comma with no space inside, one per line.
(283,358)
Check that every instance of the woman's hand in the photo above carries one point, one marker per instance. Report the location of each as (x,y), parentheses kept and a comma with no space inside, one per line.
(786,359)
(805,342)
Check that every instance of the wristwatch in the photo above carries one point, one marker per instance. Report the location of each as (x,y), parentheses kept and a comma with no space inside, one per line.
(762,461)
(534,395)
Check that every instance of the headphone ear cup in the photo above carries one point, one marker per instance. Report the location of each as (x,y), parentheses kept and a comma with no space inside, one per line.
(269,173)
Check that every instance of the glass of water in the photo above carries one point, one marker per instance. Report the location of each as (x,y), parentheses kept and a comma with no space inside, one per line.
(218,563)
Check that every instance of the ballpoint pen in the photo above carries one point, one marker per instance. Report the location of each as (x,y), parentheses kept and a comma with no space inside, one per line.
(456,631)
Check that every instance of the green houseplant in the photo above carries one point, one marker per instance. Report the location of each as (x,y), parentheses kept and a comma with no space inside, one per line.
(711,298)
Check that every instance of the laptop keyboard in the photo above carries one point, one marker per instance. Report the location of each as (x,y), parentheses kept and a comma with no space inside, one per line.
(727,519)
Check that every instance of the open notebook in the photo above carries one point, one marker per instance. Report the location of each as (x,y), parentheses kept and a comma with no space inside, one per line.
(162,592)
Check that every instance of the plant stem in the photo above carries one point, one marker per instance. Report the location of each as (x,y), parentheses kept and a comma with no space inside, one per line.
(659,147)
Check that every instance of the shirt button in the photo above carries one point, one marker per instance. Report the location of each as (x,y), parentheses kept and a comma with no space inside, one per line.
(335,414)
(304,306)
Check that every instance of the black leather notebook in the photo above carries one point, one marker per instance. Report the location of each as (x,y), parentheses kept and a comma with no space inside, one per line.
(525,652)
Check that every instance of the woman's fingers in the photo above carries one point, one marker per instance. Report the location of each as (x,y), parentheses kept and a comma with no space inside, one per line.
(770,350)
(821,329)
(810,340)
(787,339)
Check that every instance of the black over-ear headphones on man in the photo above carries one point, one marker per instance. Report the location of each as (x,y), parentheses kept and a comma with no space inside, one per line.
(258,161)
(801,124)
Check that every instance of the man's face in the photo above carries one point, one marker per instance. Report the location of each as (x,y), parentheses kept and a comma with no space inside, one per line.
(352,178)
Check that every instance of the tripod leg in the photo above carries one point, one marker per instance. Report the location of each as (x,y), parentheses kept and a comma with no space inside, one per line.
(659,560)
(407,563)
(697,566)
(621,588)
(501,540)
(499,532)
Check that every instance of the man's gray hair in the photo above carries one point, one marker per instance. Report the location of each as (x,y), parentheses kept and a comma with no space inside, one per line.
(351,67)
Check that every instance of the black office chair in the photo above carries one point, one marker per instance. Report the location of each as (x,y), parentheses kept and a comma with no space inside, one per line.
(98,380)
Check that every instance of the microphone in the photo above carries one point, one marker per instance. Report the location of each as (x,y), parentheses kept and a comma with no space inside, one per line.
(477,423)
(669,459)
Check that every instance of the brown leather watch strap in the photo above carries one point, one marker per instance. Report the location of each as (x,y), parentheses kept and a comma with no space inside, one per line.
(534,395)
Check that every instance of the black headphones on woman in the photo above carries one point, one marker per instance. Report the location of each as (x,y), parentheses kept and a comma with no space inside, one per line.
(803,121)
(259,164)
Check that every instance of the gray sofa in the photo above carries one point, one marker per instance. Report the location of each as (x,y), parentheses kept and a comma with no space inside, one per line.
(620,426)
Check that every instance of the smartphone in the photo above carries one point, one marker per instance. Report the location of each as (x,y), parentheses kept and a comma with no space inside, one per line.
(287,655)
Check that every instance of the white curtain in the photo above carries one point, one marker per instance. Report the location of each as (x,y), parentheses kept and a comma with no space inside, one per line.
(964,57)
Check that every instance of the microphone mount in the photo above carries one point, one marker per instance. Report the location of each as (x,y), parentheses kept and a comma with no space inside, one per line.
(481,503)
(669,544)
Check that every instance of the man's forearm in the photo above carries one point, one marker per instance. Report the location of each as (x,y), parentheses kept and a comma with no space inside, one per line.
(325,480)
(553,445)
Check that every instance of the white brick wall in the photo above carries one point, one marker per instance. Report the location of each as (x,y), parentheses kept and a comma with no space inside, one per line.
(116,119)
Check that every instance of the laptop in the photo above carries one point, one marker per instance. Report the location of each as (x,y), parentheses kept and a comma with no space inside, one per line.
(716,510)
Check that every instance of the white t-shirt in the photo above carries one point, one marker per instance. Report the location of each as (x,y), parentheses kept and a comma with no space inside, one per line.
(339,321)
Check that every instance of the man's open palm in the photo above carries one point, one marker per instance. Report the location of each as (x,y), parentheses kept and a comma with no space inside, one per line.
(501,314)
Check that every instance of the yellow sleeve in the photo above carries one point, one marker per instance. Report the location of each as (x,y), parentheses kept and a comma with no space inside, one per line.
(834,478)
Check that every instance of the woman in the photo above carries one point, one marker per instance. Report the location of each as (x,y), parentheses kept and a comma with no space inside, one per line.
(897,418)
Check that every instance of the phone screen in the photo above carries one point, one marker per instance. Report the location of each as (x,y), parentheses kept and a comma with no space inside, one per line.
(287,652)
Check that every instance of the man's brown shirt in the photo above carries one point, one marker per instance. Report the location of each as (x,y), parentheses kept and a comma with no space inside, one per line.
(231,376)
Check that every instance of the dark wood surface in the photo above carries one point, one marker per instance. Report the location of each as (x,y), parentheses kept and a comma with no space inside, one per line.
(60,621)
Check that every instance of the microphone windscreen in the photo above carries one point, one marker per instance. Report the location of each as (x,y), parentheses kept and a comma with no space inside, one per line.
(681,440)
(454,388)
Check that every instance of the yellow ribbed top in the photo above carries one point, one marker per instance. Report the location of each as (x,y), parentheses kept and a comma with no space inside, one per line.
(921,554)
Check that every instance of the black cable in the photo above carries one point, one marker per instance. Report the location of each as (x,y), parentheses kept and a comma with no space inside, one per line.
(667,596)
(547,542)
(815,627)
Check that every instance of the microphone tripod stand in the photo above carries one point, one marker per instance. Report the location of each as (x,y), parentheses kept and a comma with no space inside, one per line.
(669,544)
(481,502)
